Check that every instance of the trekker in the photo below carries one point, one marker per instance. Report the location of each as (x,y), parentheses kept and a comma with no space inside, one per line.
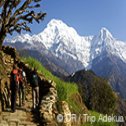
(22,86)
(14,87)
(35,89)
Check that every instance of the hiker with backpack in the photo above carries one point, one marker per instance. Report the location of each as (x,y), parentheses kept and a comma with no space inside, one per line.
(35,89)
(22,86)
(14,86)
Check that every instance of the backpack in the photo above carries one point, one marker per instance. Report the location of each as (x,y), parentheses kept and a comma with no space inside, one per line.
(23,74)
(22,78)
(35,80)
(15,75)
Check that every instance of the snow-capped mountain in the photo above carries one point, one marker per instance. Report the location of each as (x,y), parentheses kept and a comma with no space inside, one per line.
(64,42)
(62,45)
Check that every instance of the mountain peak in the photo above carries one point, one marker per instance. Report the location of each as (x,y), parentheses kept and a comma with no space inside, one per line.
(104,33)
(55,22)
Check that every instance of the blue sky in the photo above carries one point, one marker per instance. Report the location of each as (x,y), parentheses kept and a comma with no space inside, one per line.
(86,16)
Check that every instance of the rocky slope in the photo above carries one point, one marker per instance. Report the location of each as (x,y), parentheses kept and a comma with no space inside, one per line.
(46,61)
(49,105)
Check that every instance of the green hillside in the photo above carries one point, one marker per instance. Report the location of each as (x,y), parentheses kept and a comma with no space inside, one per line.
(66,91)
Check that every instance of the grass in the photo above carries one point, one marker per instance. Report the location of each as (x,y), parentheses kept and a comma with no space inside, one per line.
(65,90)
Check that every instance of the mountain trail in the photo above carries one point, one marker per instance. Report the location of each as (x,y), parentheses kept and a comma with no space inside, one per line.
(20,118)
(44,114)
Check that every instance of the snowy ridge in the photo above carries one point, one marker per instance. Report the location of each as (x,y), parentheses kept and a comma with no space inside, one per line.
(22,38)
(65,43)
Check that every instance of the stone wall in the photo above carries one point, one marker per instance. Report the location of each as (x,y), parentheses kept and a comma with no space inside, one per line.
(64,114)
